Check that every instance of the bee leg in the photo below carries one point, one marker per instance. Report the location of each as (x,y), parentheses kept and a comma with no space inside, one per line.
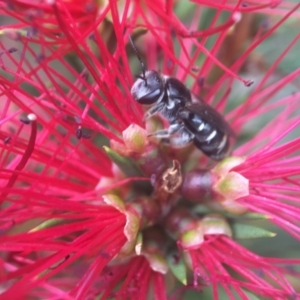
(166,133)
(153,111)
(181,139)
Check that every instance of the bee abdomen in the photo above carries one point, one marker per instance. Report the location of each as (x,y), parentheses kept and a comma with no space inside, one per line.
(216,147)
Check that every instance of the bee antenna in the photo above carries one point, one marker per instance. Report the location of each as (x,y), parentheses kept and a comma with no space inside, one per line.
(139,58)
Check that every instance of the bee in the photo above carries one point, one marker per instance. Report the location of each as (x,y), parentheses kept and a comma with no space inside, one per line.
(190,119)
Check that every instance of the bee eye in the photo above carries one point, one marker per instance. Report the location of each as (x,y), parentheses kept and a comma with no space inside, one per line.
(150,98)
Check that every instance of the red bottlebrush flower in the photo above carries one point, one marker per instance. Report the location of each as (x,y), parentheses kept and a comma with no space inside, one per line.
(39,14)
(208,249)
(137,280)
(91,205)
(219,256)
(273,175)
(90,232)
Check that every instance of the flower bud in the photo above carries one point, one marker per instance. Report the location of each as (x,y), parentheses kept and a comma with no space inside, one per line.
(193,237)
(150,211)
(214,224)
(135,138)
(197,185)
(133,222)
(156,261)
(119,148)
(184,228)
(152,161)
(154,245)
(230,185)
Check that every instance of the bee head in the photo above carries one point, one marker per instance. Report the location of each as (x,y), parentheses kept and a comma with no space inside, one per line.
(148,88)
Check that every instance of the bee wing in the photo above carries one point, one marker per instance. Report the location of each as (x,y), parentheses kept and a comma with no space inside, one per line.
(210,115)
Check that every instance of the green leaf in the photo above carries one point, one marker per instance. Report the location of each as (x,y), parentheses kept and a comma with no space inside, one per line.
(126,164)
(243,231)
(130,169)
(256,216)
(47,224)
(178,268)
(253,296)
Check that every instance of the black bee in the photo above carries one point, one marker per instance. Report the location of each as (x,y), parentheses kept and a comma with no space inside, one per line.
(189,118)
